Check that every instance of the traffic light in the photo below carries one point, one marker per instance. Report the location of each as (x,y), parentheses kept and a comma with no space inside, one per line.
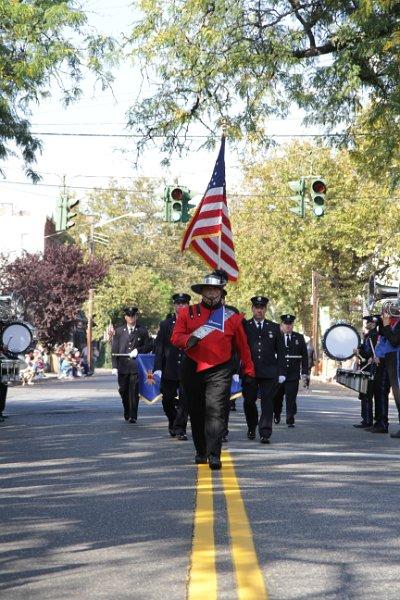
(70,216)
(64,218)
(318,192)
(177,204)
(300,188)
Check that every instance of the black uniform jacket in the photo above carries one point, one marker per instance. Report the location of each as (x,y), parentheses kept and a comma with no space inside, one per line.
(267,348)
(121,344)
(168,357)
(297,347)
(365,350)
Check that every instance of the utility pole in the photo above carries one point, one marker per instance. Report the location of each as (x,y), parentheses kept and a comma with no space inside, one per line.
(315,299)
(89,330)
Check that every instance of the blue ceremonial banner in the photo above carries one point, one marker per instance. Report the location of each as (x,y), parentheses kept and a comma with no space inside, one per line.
(149,384)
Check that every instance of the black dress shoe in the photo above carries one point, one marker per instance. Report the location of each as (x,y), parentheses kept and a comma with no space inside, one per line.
(379,429)
(395,435)
(182,437)
(290,424)
(172,432)
(277,419)
(214,462)
(251,434)
(200,459)
(264,440)
(362,425)
(132,420)
(126,416)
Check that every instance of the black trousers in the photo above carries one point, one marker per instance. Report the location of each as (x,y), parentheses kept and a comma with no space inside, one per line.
(207,395)
(3,396)
(174,404)
(381,389)
(128,387)
(288,389)
(268,389)
(392,361)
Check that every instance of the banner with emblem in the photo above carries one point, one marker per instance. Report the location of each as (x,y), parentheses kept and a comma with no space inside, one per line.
(149,384)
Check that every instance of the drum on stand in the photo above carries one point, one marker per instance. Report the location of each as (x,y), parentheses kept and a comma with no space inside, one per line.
(15,338)
(339,343)
(340,340)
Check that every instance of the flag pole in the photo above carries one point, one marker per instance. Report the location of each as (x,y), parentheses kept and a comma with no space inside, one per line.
(223,135)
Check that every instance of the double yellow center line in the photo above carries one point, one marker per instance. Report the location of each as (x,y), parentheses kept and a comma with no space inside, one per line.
(203,572)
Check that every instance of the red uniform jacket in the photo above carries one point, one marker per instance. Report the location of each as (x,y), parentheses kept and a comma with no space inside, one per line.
(217,347)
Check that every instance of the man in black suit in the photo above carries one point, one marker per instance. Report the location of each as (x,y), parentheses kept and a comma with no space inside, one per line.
(268,354)
(296,356)
(131,339)
(167,365)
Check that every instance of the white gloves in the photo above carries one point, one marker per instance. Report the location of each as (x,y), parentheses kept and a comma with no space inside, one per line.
(235,378)
(133,354)
(281,379)
(158,373)
(114,371)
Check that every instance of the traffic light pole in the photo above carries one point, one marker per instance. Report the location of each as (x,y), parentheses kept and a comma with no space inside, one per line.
(315,299)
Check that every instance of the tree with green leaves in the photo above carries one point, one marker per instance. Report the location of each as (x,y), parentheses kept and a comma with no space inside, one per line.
(42,42)
(241,62)
(277,251)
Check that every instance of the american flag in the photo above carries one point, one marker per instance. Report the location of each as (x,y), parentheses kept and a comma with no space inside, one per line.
(209,232)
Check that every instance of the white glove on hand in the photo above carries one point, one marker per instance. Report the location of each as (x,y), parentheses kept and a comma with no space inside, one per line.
(158,373)
(235,378)
(114,371)
(281,379)
(133,354)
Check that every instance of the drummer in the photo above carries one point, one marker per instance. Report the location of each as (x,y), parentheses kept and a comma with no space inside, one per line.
(365,359)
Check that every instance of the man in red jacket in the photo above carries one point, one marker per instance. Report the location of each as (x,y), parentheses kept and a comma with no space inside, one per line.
(209,333)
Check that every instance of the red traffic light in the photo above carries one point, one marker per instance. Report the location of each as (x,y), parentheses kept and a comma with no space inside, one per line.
(177,194)
(319,187)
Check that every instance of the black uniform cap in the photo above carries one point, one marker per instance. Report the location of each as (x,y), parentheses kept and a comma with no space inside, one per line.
(372,318)
(259,300)
(130,311)
(181,298)
(287,319)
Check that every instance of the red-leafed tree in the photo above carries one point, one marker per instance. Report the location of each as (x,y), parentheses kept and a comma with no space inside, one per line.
(54,286)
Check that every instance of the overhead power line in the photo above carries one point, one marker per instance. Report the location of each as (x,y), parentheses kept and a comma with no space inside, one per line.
(138,136)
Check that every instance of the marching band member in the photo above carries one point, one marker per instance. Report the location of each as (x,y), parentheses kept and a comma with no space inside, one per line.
(389,348)
(268,354)
(131,339)
(209,333)
(297,366)
(167,365)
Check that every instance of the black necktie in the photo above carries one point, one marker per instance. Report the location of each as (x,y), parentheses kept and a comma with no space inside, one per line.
(287,340)
(131,334)
(259,326)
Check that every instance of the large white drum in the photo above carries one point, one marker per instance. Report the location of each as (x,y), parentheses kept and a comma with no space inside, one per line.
(15,338)
(340,341)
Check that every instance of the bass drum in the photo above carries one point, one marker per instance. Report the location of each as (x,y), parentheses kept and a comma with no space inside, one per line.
(340,340)
(15,338)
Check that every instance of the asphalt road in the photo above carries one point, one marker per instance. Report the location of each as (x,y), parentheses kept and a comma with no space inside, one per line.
(94,507)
